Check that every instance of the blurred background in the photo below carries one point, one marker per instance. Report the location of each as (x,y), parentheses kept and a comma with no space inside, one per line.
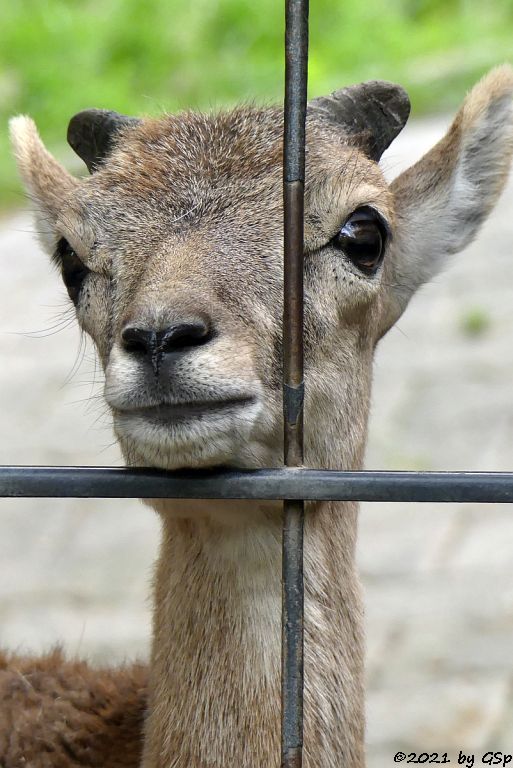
(438,579)
(59,56)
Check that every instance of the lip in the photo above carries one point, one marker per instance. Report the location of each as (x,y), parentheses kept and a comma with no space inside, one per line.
(166,412)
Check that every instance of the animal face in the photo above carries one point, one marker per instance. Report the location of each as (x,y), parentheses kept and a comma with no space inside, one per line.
(172,253)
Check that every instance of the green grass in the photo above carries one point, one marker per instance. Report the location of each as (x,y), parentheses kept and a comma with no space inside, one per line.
(60,56)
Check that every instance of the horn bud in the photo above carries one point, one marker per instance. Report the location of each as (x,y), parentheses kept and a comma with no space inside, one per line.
(373,113)
(92,134)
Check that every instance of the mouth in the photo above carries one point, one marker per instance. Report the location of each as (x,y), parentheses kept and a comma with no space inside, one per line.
(199,432)
(175,412)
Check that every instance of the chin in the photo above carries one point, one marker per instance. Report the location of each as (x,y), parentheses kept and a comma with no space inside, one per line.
(236,441)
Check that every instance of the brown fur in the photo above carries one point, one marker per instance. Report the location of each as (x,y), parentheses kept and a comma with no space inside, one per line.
(183,220)
(96,715)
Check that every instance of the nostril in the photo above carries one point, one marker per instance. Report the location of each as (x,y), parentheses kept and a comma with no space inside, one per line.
(138,339)
(174,338)
(184,335)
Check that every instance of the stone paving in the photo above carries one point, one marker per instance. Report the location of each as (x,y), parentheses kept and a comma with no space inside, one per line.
(438,579)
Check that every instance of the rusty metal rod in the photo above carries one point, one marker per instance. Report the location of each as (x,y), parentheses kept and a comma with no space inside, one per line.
(296,69)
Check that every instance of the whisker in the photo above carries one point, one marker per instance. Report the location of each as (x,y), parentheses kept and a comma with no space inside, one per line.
(78,359)
(43,334)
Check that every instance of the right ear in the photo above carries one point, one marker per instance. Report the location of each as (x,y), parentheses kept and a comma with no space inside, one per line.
(46,182)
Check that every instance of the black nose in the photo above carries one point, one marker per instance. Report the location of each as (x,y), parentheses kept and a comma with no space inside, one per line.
(156,344)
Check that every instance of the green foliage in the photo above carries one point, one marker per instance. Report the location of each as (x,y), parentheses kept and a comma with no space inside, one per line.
(475,322)
(60,56)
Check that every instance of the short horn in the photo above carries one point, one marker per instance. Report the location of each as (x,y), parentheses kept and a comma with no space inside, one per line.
(374,113)
(92,134)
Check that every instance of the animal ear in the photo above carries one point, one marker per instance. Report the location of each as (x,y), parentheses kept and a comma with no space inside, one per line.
(371,113)
(94,132)
(46,182)
(442,200)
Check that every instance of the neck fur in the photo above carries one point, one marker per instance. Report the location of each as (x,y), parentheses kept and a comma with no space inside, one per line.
(215,672)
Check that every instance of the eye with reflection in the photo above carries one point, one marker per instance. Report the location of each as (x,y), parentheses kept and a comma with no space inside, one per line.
(73,269)
(363,239)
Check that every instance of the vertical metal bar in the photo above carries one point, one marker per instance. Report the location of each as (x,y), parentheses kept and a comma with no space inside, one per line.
(296,68)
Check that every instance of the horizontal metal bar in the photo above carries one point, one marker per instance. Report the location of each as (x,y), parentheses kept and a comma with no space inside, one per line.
(286,483)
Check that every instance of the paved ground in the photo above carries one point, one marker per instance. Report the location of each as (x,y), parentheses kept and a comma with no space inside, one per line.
(439,580)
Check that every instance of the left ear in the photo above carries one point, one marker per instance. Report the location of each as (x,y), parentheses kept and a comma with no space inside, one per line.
(442,201)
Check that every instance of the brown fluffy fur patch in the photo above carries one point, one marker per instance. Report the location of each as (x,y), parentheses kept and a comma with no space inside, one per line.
(56,713)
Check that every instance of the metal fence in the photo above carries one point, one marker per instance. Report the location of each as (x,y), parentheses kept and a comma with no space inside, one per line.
(292,484)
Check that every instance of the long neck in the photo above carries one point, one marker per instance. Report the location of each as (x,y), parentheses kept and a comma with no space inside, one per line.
(215,678)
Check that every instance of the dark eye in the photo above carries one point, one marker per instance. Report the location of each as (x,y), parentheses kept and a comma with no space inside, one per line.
(73,270)
(363,238)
